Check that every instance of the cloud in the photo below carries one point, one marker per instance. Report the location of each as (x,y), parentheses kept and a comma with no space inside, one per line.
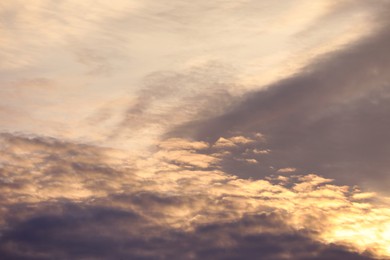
(105,233)
(96,64)
(331,118)
(208,53)
(266,151)
(232,92)
(182,144)
(286,170)
(67,200)
(232,141)
(169,98)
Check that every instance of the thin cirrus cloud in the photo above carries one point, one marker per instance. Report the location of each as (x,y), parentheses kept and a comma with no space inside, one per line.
(208,130)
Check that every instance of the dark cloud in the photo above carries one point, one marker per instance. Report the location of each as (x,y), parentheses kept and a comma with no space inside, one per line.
(331,118)
(90,232)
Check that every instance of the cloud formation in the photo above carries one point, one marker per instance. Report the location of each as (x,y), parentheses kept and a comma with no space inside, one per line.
(194,130)
(68,200)
(331,118)
(98,54)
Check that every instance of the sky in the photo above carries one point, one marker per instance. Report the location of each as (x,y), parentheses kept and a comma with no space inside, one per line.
(246,129)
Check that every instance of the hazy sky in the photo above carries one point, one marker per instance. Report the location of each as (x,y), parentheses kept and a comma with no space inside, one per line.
(247,129)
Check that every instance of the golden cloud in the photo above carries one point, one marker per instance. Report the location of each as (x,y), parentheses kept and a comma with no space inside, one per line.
(180,188)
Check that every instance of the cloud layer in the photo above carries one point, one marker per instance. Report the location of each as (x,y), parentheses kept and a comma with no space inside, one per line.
(331,118)
(57,201)
(141,62)
(181,130)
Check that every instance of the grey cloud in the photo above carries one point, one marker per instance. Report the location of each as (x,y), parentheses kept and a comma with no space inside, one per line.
(168,97)
(331,118)
(81,231)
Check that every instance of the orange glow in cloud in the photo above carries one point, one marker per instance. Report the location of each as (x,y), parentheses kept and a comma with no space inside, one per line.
(332,213)
(189,129)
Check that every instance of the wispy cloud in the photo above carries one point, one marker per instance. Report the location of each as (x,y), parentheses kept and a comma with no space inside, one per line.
(206,53)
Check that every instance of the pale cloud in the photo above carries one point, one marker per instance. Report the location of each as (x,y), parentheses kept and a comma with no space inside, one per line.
(284,170)
(97,53)
(188,158)
(252,161)
(241,140)
(257,151)
(224,143)
(182,144)
(232,141)
(364,195)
